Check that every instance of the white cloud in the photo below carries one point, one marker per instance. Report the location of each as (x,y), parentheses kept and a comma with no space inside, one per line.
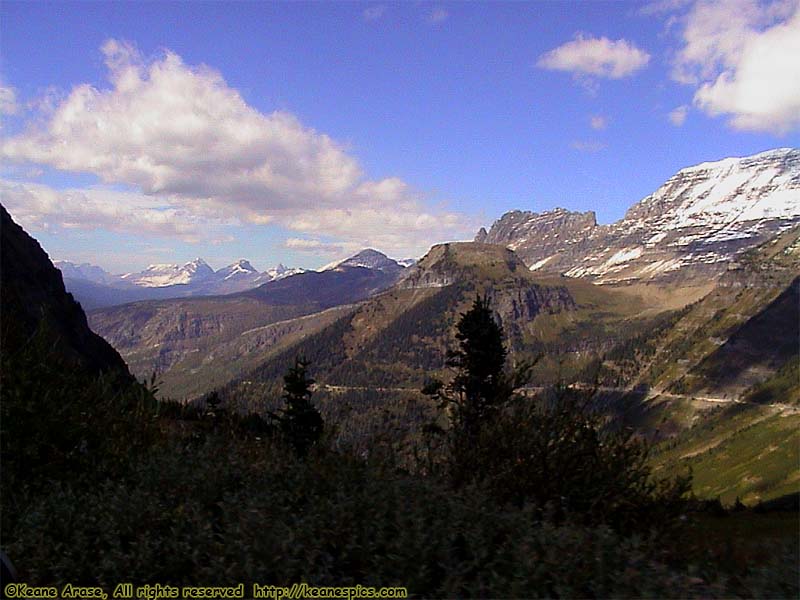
(599,57)
(317,247)
(742,57)
(437,15)
(179,133)
(678,115)
(598,122)
(374,13)
(171,129)
(39,207)
(660,7)
(589,146)
(8,100)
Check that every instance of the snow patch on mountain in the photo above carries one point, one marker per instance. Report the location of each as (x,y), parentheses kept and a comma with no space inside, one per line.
(162,275)
(369,259)
(540,263)
(700,219)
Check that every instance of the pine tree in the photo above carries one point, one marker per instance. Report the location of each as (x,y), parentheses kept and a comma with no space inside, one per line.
(299,421)
(479,386)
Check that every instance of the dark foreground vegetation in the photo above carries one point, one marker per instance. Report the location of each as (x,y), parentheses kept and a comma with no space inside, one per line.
(504,497)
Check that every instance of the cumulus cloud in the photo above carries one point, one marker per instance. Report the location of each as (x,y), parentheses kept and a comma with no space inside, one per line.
(171,129)
(39,207)
(741,56)
(180,133)
(598,57)
(8,100)
(678,115)
(598,122)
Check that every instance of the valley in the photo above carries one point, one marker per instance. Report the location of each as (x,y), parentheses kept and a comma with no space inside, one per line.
(668,351)
(400,299)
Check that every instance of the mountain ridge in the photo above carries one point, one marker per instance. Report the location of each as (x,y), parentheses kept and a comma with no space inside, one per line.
(35,303)
(691,226)
(96,288)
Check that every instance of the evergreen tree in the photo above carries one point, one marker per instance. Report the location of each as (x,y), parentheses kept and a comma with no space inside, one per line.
(299,421)
(479,386)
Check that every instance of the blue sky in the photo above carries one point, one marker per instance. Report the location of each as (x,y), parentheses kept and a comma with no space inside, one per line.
(141,132)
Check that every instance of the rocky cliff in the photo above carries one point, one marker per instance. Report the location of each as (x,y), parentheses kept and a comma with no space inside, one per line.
(34,302)
(692,227)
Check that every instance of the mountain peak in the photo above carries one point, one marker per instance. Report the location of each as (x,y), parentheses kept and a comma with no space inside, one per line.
(87,271)
(694,224)
(368,258)
(162,275)
(445,264)
(770,156)
(242,264)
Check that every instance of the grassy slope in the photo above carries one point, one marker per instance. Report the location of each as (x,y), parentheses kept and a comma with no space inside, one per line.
(745,451)
(174,338)
(694,355)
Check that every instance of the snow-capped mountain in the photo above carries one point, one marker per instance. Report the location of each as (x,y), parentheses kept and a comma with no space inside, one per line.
(369,259)
(241,268)
(280,272)
(692,226)
(94,287)
(162,275)
(241,276)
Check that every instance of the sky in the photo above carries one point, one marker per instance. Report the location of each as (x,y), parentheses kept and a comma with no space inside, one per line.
(134,133)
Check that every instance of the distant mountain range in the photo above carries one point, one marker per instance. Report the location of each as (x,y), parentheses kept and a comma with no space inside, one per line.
(692,227)
(193,278)
(198,343)
(95,288)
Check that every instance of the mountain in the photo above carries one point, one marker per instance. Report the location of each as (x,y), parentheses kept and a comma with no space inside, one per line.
(93,295)
(370,259)
(95,288)
(163,275)
(730,369)
(742,333)
(278,272)
(240,268)
(689,229)
(399,338)
(371,361)
(84,272)
(35,303)
(197,344)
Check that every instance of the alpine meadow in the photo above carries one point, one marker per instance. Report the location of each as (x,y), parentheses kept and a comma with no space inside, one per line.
(519,313)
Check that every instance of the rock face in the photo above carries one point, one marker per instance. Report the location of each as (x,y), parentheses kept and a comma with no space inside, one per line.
(515,298)
(742,333)
(691,227)
(34,301)
(445,264)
